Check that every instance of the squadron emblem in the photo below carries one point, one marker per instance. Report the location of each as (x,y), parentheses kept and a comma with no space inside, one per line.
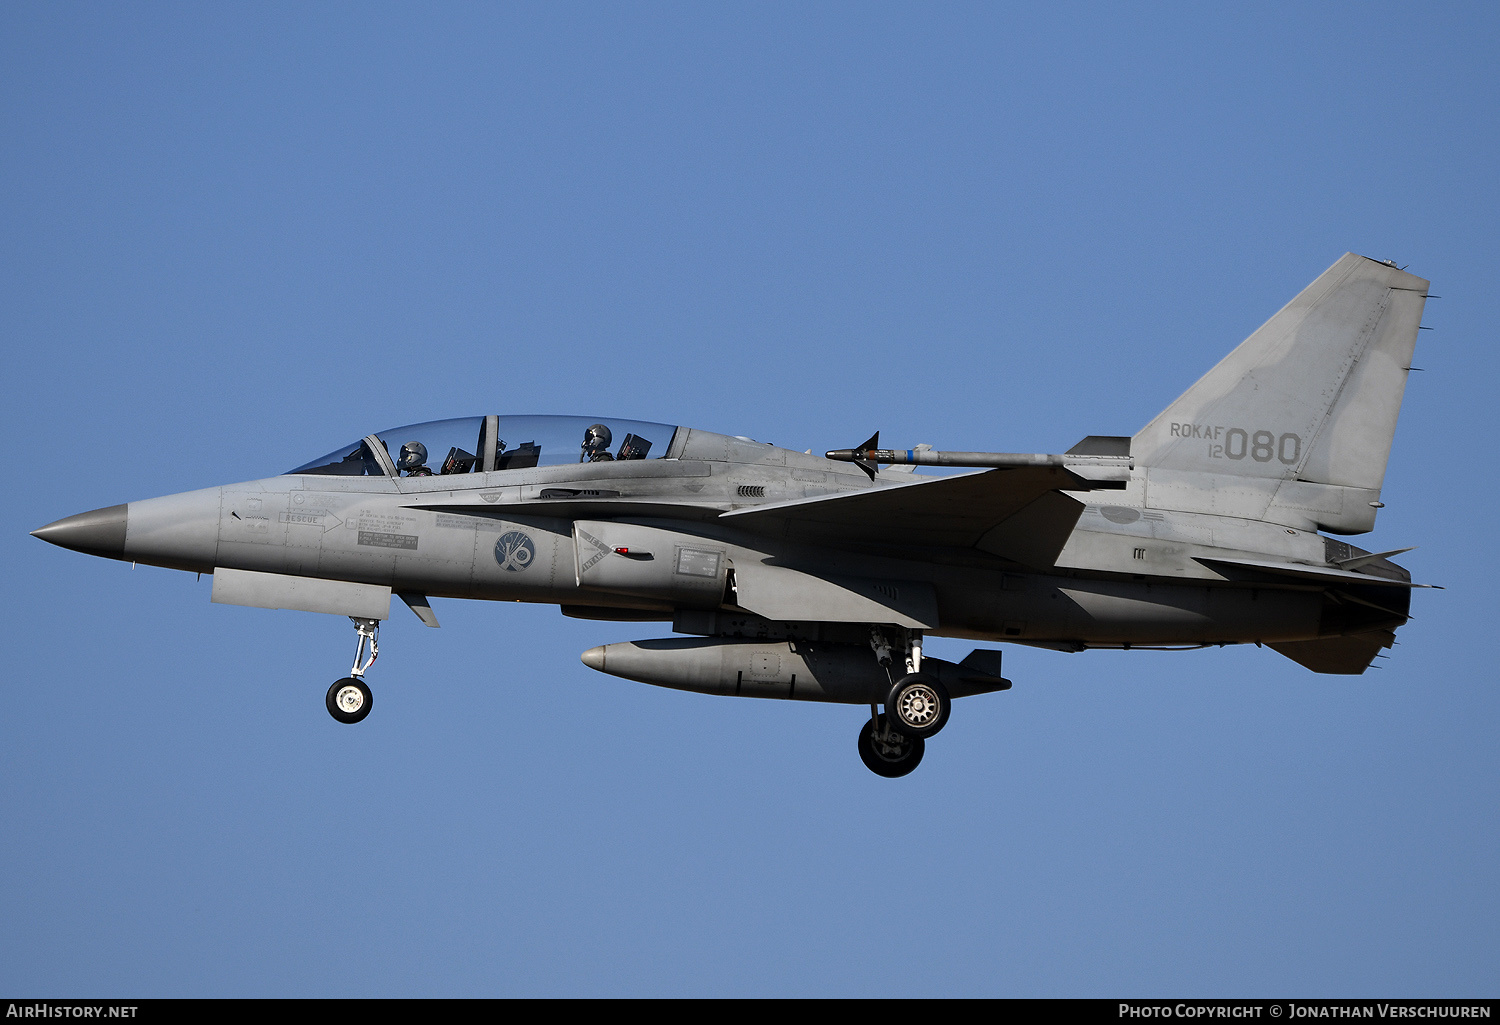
(514,551)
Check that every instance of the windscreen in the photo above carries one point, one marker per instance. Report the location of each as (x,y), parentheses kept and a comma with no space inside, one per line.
(421,450)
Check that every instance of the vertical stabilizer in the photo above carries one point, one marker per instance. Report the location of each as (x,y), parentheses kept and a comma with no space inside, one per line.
(1302,413)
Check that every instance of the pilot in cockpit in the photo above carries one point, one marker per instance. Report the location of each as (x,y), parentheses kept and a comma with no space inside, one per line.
(413,461)
(596,445)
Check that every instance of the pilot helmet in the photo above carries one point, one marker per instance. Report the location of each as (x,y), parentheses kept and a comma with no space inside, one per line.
(596,438)
(413,455)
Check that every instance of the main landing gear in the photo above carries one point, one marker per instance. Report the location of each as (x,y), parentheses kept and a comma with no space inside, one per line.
(918,705)
(349,699)
(892,743)
(886,752)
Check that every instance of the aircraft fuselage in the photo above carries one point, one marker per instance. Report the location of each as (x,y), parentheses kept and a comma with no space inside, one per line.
(1127,575)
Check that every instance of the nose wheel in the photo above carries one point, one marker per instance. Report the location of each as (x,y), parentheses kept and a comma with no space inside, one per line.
(349,700)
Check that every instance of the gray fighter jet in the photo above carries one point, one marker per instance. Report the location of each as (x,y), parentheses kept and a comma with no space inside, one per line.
(816,577)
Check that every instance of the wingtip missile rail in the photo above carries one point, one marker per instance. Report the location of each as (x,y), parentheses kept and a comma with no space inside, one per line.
(1102,470)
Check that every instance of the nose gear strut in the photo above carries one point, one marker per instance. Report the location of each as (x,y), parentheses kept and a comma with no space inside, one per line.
(349,700)
(369,630)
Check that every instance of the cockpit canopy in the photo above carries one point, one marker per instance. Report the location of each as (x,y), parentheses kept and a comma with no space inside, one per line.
(480,444)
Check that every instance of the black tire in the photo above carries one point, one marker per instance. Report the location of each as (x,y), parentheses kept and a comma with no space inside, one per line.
(918,705)
(886,757)
(349,700)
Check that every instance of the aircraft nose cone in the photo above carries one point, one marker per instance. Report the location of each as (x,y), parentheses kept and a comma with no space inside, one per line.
(594,658)
(101,532)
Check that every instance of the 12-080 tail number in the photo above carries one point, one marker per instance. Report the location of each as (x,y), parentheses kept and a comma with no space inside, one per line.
(1237,443)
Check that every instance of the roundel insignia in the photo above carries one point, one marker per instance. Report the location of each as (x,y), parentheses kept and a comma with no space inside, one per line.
(514,551)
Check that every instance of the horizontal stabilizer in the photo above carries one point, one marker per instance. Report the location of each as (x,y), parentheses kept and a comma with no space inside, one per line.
(1347,656)
(1296,572)
(1365,560)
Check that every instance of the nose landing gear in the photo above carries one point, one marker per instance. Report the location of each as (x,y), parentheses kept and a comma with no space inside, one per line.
(349,700)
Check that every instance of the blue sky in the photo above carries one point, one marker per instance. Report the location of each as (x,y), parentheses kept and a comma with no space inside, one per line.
(238,236)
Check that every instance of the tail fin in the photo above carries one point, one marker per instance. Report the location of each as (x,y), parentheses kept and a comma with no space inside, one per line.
(1302,413)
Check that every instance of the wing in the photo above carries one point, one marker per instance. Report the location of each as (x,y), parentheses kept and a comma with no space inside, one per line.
(1019,514)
